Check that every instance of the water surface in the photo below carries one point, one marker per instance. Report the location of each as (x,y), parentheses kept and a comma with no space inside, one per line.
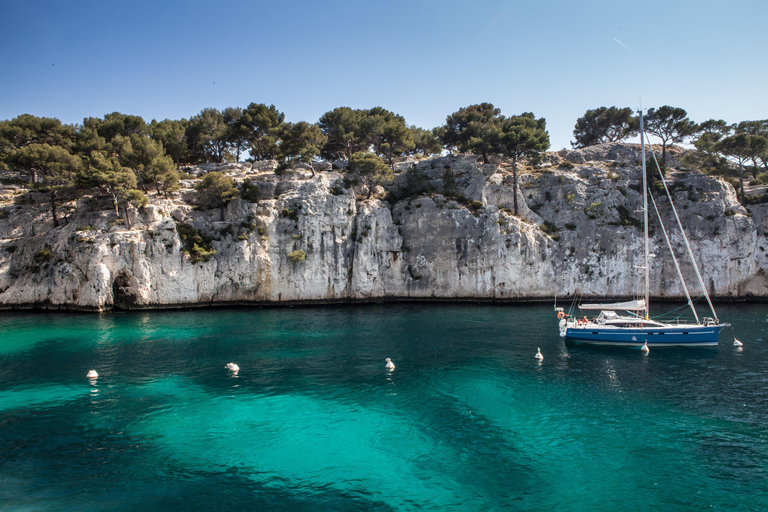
(468,420)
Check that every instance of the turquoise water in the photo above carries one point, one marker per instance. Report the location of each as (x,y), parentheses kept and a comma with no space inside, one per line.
(468,420)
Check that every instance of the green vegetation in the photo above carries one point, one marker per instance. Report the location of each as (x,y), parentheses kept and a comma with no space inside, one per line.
(626,218)
(718,145)
(370,170)
(475,129)
(290,214)
(592,210)
(710,134)
(670,124)
(482,129)
(550,229)
(385,133)
(523,135)
(604,125)
(302,142)
(426,142)
(296,256)
(449,183)
(216,190)
(52,168)
(416,184)
(744,147)
(44,256)
(249,224)
(196,244)
(124,158)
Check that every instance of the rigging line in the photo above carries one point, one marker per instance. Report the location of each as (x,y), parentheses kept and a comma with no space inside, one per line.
(685,238)
(674,311)
(674,258)
(576,299)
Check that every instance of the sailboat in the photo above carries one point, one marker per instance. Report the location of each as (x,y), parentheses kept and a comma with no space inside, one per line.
(628,323)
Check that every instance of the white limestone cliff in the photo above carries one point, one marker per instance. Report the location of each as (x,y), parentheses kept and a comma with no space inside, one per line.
(576,233)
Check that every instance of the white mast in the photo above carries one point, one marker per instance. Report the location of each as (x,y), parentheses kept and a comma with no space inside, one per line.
(646,265)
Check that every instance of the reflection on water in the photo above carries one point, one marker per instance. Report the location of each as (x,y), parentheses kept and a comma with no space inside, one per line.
(468,420)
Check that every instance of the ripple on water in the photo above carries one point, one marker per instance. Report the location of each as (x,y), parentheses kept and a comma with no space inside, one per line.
(467,421)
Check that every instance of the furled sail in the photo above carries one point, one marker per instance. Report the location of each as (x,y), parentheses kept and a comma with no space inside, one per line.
(631,305)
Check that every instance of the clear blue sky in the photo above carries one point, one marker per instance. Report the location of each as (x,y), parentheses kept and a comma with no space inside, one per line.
(421,59)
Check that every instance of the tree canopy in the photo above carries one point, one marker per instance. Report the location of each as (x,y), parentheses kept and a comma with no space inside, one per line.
(370,169)
(670,124)
(385,132)
(604,124)
(473,129)
(302,142)
(707,141)
(522,135)
(123,156)
(172,134)
(206,136)
(216,189)
(758,132)
(343,128)
(425,142)
(115,124)
(261,124)
(106,172)
(51,167)
(738,148)
(27,129)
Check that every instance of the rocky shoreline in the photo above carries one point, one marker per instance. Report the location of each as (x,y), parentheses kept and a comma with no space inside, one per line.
(446,232)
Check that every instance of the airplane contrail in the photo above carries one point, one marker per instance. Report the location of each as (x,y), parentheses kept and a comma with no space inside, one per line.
(622,44)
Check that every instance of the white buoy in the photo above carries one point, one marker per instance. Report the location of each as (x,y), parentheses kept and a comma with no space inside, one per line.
(92,374)
(645,348)
(233,367)
(737,343)
(538,355)
(390,365)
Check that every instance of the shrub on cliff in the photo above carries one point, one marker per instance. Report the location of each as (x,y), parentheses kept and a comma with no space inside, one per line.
(370,170)
(296,256)
(44,256)
(415,184)
(216,190)
(250,192)
(196,244)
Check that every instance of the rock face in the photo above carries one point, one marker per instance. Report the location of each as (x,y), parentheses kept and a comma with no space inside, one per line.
(447,232)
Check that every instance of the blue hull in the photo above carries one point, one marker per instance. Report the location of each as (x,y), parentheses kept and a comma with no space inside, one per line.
(689,336)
